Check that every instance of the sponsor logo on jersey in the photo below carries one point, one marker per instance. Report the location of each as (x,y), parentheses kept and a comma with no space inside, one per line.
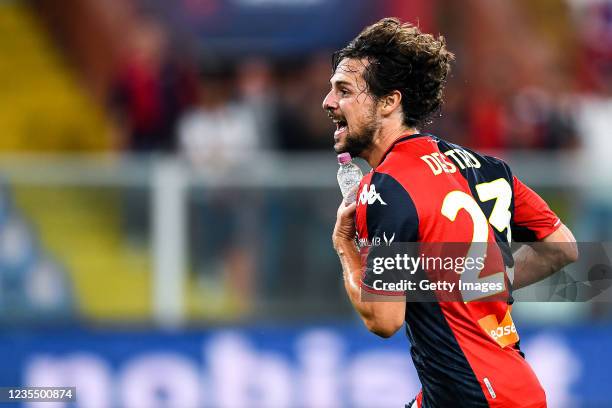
(369,195)
(376,241)
(504,332)
(389,241)
(364,242)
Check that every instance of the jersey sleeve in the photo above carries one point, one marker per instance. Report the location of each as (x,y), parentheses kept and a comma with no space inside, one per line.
(532,219)
(392,220)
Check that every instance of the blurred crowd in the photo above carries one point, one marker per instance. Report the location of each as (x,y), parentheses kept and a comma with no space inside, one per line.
(503,94)
(213,109)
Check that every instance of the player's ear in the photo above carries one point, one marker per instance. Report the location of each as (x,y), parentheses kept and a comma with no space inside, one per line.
(391,102)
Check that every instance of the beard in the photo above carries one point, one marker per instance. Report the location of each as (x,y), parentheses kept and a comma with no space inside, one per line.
(360,139)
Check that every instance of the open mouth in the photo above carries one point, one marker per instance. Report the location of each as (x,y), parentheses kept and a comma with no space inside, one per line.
(341,126)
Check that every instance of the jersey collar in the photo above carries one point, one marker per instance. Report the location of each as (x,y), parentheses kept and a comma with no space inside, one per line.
(400,140)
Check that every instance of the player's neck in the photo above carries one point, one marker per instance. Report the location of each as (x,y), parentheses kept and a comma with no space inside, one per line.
(383,141)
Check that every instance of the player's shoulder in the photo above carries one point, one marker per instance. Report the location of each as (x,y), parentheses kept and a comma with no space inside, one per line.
(378,188)
(470,156)
(475,166)
(427,155)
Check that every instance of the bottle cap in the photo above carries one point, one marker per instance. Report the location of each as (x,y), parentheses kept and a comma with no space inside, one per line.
(344,158)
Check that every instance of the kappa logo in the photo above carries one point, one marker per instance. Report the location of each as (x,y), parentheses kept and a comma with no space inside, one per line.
(369,195)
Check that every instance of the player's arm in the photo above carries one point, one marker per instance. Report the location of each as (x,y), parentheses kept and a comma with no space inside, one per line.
(553,244)
(383,318)
(532,263)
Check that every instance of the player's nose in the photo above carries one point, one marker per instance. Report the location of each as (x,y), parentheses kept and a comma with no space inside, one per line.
(329,102)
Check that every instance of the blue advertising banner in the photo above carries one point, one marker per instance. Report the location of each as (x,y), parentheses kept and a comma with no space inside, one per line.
(274,366)
(274,27)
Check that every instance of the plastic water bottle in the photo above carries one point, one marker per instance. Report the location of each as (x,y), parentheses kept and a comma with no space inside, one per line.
(349,176)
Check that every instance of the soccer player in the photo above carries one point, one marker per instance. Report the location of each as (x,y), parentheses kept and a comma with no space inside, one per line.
(386,84)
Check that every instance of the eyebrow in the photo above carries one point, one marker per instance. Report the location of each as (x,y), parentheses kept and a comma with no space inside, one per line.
(341,82)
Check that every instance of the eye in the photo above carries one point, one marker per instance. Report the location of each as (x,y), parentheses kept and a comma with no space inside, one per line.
(344,91)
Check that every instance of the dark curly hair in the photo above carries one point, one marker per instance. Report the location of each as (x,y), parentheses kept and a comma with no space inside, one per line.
(400,57)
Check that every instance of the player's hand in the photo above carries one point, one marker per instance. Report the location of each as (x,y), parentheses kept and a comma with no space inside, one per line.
(344,230)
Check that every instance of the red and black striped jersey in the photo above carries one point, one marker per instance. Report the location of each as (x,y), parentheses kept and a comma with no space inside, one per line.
(431,191)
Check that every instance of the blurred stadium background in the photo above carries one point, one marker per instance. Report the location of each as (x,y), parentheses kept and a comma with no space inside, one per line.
(167,193)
